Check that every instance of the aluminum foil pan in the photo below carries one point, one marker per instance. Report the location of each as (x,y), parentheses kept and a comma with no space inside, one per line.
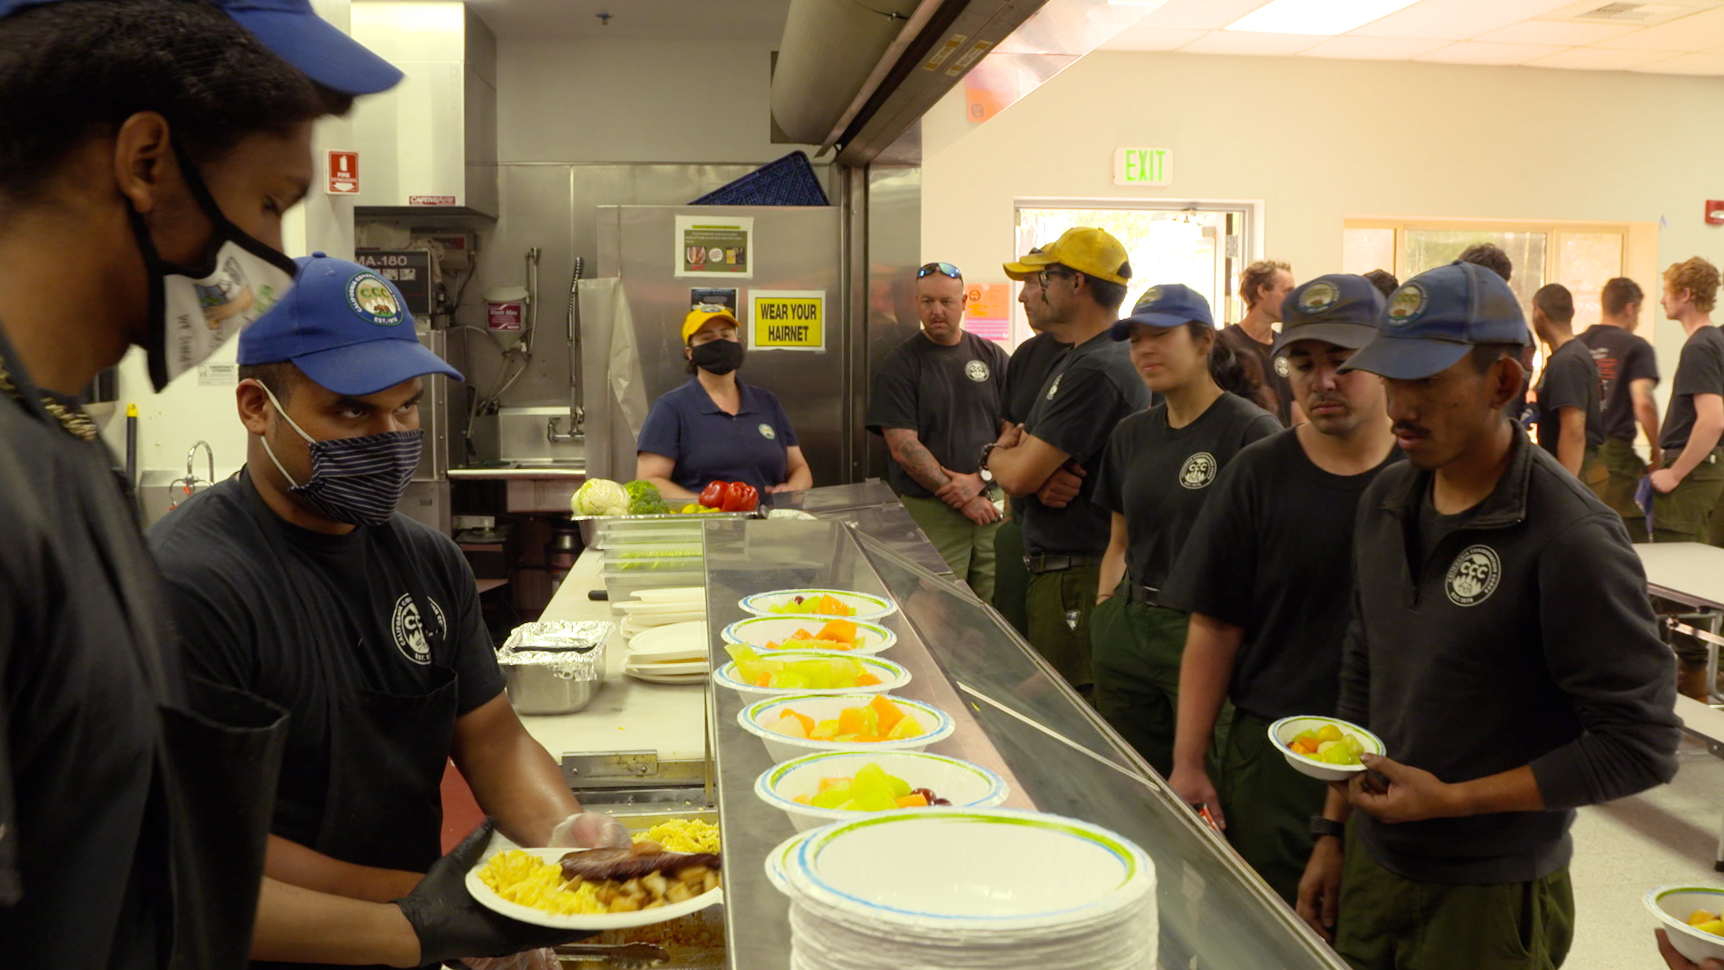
(555,667)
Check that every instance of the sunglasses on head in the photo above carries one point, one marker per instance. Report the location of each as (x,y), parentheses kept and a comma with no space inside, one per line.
(944,269)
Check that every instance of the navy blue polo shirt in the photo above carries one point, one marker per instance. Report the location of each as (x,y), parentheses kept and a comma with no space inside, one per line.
(706,443)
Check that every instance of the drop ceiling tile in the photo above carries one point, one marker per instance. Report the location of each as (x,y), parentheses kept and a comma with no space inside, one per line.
(1550,32)
(1701,31)
(1373,48)
(1141,38)
(1455,19)
(1199,14)
(1251,42)
(1601,59)
(1687,64)
(1473,52)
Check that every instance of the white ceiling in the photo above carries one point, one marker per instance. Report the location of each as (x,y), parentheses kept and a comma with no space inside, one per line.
(1450,31)
(717,20)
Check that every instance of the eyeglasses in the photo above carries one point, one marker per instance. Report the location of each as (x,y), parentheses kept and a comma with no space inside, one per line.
(944,269)
(1042,277)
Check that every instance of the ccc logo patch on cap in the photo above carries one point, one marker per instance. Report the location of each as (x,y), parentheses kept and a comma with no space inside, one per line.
(373,300)
(1319,296)
(1406,304)
(1150,296)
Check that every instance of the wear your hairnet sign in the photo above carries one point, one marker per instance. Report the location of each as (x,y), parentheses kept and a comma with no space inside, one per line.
(787,320)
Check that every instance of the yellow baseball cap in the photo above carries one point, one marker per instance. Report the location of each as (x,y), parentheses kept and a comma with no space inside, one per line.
(1092,252)
(698,317)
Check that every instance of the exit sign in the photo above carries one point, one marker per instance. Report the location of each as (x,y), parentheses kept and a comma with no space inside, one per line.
(1143,166)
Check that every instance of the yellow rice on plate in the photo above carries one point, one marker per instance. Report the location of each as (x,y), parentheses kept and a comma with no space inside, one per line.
(523,878)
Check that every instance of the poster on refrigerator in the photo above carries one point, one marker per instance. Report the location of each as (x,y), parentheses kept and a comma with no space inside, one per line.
(787,320)
(724,296)
(715,246)
(987,311)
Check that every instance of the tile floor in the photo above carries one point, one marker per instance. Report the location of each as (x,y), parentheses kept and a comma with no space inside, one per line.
(1667,835)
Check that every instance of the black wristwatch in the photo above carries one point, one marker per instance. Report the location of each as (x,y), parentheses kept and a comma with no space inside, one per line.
(1321,826)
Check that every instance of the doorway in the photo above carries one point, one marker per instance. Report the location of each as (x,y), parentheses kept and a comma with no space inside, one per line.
(1201,244)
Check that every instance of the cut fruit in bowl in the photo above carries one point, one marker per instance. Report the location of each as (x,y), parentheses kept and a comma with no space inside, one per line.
(838,786)
(810,633)
(1326,748)
(785,672)
(846,603)
(1681,911)
(806,723)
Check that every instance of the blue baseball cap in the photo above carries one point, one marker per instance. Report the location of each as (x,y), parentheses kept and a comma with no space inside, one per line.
(1164,305)
(1339,309)
(1435,318)
(346,327)
(297,35)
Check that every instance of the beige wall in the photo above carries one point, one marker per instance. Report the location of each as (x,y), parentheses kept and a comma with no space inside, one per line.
(1321,140)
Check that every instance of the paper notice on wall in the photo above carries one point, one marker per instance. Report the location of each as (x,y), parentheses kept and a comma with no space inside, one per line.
(715,246)
(787,319)
(987,311)
(218,375)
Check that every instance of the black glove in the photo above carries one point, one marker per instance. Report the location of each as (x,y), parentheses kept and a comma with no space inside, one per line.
(450,924)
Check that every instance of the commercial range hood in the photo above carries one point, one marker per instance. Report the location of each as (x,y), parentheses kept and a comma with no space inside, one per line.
(428,148)
(855,76)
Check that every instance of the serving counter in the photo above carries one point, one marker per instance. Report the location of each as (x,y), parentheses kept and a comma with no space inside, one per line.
(1013,715)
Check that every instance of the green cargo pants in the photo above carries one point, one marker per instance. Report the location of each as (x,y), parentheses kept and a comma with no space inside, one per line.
(1686,514)
(1268,804)
(1623,471)
(1386,922)
(1011,579)
(1137,649)
(1057,605)
(966,547)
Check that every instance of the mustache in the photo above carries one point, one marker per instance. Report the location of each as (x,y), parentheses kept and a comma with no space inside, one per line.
(1339,402)
(1412,430)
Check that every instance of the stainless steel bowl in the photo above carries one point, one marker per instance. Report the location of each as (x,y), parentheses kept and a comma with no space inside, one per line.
(535,689)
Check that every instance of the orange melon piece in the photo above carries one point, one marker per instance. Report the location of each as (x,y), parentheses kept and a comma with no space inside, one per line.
(886,711)
(838,631)
(912,801)
(866,679)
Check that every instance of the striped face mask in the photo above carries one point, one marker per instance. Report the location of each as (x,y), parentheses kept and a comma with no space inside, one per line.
(355,480)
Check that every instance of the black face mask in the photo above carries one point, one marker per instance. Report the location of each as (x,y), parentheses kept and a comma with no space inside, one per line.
(718,356)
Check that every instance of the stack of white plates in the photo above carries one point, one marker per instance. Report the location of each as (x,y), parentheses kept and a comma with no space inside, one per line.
(652,608)
(672,654)
(967,889)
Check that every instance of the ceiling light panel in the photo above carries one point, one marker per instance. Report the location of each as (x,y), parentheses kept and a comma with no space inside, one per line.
(1199,14)
(1323,17)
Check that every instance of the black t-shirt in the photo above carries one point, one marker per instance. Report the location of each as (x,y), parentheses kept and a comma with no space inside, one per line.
(949,396)
(1278,388)
(295,616)
(1088,392)
(1622,359)
(1700,370)
(1027,375)
(1158,477)
(1570,380)
(84,877)
(1272,552)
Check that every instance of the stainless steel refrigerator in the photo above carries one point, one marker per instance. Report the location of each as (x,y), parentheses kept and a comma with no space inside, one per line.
(789,250)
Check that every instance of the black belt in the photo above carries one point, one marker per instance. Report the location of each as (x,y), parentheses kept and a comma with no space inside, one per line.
(1143,594)
(1055,562)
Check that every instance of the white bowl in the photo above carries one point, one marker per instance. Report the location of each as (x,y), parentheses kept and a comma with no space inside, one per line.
(1670,905)
(758,631)
(1283,731)
(823,707)
(892,676)
(971,870)
(963,784)
(867,605)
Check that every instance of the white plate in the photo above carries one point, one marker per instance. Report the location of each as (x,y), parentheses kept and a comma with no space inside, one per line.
(758,631)
(654,666)
(674,641)
(867,605)
(674,679)
(677,594)
(656,607)
(782,748)
(634,626)
(780,859)
(1670,905)
(963,784)
(584,921)
(892,676)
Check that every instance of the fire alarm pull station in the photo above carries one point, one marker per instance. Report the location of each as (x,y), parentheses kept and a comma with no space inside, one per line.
(1715,212)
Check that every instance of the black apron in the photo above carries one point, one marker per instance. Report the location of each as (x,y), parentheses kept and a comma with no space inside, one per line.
(387,751)
(218,751)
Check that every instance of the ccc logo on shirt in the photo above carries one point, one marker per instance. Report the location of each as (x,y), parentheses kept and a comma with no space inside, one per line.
(409,629)
(976,371)
(767,432)
(1198,470)
(1473,576)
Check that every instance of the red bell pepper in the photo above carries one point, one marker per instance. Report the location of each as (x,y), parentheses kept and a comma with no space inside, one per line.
(740,497)
(712,496)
